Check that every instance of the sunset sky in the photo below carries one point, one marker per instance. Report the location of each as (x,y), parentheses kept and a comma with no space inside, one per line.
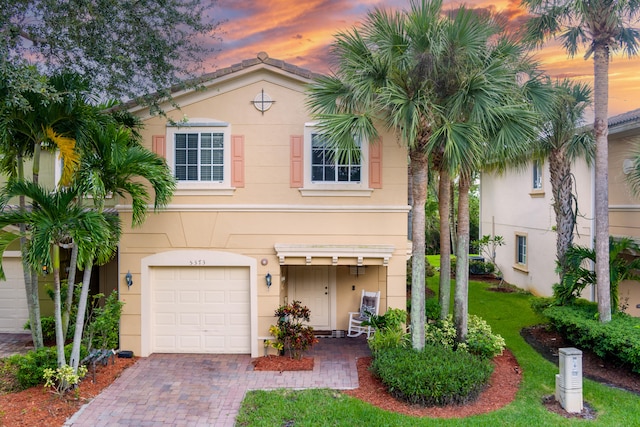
(300,32)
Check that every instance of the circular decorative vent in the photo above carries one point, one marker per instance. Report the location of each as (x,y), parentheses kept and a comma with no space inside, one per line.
(262,101)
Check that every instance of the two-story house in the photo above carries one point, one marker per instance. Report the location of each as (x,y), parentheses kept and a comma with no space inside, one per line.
(518,206)
(263,215)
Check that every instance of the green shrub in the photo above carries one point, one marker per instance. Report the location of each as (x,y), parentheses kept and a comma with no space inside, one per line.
(103,323)
(432,308)
(481,340)
(481,267)
(618,339)
(30,367)
(433,376)
(388,338)
(48,328)
(290,333)
(539,304)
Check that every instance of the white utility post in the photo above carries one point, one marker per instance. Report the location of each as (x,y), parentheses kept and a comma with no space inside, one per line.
(569,380)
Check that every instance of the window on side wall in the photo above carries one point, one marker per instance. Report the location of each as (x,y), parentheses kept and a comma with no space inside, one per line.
(521,259)
(536,179)
(329,171)
(199,155)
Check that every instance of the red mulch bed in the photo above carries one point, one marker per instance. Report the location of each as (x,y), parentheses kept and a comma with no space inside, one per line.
(37,406)
(282,363)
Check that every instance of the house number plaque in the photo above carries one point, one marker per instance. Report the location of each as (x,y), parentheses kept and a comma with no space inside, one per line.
(196,262)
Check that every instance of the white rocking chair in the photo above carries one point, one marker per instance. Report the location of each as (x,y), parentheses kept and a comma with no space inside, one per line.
(369,304)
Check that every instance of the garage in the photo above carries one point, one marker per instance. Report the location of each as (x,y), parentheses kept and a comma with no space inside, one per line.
(13,300)
(200,309)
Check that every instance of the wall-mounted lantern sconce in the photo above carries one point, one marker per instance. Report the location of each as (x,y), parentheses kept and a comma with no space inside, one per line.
(267,278)
(45,270)
(129,279)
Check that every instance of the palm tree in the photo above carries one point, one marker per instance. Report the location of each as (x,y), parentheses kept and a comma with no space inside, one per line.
(114,162)
(603,26)
(563,140)
(383,75)
(445,85)
(487,116)
(56,221)
(49,122)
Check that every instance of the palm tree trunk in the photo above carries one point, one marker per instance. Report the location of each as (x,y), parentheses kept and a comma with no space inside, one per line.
(71,281)
(74,360)
(452,217)
(562,184)
(419,179)
(601,130)
(461,298)
(30,282)
(444,188)
(57,306)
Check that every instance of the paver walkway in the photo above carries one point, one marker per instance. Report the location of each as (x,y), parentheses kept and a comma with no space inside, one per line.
(206,390)
(11,344)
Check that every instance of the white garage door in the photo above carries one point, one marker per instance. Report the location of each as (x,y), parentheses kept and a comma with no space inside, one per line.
(200,310)
(13,300)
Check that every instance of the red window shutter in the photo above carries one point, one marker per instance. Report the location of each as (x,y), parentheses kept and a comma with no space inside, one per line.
(297,166)
(375,164)
(237,161)
(159,145)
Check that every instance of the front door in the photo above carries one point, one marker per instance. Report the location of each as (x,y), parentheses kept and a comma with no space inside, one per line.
(310,286)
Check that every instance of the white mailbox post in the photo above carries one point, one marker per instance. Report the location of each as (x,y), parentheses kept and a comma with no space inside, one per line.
(569,380)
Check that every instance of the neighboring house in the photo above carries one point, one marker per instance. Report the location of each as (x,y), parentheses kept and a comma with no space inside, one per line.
(260,200)
(518,206)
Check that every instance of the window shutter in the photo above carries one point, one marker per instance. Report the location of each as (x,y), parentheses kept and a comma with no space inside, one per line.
(297,156)
(237,161)
(375,164)
(159,145)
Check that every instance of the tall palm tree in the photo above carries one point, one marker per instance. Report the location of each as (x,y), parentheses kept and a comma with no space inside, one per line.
(603,26)
(114,162)
(487,116)
(563,140)
(383,75)
(49,122)
(446,86)
(55,222)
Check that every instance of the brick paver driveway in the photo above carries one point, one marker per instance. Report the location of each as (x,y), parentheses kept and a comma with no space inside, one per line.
(206,390)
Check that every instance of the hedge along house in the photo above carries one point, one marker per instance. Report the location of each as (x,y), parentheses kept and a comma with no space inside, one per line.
(263,215)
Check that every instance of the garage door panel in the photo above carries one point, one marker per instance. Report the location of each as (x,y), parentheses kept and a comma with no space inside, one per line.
(13,298)
(165,319)
(165,296)
(189,274)
(192,297)
(211,311)
(214,297)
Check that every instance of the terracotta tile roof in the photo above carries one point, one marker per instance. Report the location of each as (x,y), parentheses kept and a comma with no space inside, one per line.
(261,58)
(625,118)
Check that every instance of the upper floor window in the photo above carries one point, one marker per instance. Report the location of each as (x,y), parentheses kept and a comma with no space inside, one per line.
(332,172)
(199,156)
(199,153)
(330,165)
(537,175)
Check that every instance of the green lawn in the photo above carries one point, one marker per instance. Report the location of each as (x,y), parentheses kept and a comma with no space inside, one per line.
(507,314)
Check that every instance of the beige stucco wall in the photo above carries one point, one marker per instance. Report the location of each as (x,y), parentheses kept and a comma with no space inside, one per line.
(509,206)
(251,220)
(624,207)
